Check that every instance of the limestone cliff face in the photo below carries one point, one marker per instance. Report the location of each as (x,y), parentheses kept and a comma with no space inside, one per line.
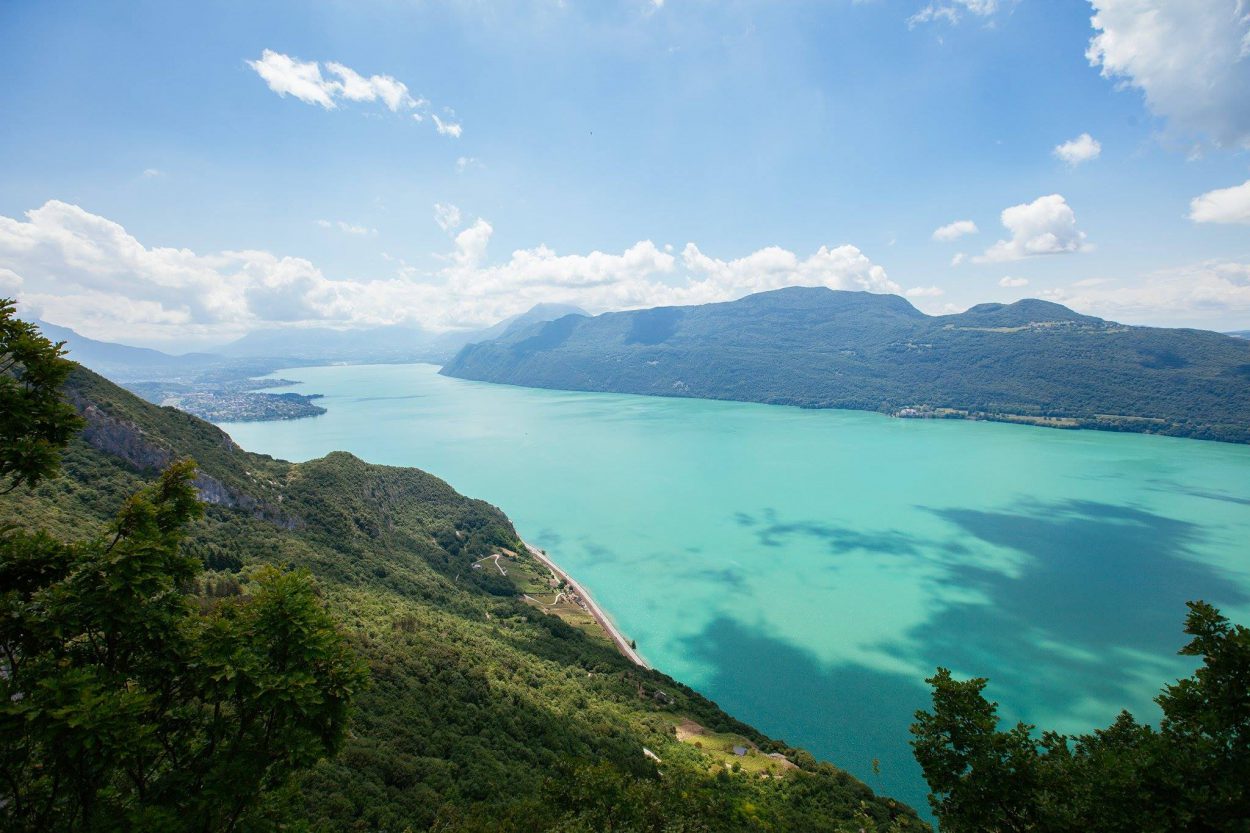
(123,438)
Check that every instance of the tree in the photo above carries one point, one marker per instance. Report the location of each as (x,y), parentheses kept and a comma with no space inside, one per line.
(1192,774)
(35,422)
(123,705)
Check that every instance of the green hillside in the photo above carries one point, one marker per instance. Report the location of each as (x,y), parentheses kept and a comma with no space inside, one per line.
(483,712)
(1031,361)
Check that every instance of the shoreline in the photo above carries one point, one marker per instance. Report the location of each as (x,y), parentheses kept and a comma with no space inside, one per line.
(618,639)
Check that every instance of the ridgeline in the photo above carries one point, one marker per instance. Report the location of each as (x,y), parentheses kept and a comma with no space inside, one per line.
(1031,361)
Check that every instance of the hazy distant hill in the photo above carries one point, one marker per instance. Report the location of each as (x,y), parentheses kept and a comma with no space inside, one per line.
(1240,333)
(1028,361)
(121,360)
(398,343)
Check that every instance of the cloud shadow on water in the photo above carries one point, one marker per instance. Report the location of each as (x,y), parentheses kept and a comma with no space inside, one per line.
(1072,608)
(848,715)
(1102,585)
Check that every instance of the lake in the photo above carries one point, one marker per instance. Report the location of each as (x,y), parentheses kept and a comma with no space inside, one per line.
(808,569)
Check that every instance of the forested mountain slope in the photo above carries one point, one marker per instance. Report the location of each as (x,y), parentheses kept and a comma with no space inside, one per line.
(483,712)
(1031,361)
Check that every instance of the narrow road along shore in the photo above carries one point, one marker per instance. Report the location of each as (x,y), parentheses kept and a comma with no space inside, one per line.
(592,608)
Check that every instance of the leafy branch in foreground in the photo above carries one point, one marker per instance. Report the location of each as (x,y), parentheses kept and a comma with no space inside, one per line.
(35,422)
(1191,774)
(123,707)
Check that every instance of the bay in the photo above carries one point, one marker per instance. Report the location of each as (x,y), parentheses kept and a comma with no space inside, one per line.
(808,569)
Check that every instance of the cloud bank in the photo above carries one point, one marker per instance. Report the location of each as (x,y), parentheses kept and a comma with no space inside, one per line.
(80,269)
(1213,293)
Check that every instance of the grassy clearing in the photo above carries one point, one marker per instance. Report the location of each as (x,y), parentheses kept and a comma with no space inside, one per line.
(718,748)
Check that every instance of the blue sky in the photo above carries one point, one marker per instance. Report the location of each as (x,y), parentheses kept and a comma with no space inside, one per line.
(165,180)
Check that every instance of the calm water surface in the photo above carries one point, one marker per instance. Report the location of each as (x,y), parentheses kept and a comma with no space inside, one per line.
(807,569)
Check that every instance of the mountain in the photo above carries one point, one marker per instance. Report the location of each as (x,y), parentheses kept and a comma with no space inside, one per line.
(396,343)
(121,360)
(1030,361)
(381,344)
(1239,333)
(484,712)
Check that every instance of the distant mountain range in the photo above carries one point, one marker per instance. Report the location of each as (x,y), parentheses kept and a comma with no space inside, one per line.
(397,343)
(121,360)
(1031,361)
(1240,333)
(273,348)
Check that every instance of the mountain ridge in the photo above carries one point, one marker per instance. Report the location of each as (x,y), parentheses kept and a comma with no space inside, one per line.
(1028,361)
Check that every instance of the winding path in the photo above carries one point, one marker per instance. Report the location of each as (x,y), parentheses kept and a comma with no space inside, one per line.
(622,644)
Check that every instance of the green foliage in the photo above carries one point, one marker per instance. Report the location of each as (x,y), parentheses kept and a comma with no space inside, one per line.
(481,709)
(35,423)
(1192,774)
(125,702)
(122,707)
(817,348)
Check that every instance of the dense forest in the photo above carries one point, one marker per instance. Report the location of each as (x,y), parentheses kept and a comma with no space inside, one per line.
(309,648)
(1031,361)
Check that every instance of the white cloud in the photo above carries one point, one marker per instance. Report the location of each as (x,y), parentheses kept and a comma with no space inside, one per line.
(152,173)
(80,269)
(463,163)
(447,128)
(955,230)
(1189,58)
(959,258)
(348,228)
(952,10)
(1223,205)
(1046,226)
(1013,283)
(925,292)
(447,216)
(1213,294)
(355,87)
(303,79)
(1081,149)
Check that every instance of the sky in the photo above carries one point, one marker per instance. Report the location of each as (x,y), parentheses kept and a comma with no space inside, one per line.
(177,175)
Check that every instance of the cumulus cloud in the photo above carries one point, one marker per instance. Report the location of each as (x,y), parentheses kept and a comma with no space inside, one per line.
(1212,293)
(1223,205)
(952,11)
(77,268)
(925,292)
(1188,57)
(955,230)
(463,163)
(1046,226)
(303,80)
(1081,149)
(1013,283)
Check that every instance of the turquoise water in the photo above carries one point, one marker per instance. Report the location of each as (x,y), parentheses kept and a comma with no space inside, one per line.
(808,569)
